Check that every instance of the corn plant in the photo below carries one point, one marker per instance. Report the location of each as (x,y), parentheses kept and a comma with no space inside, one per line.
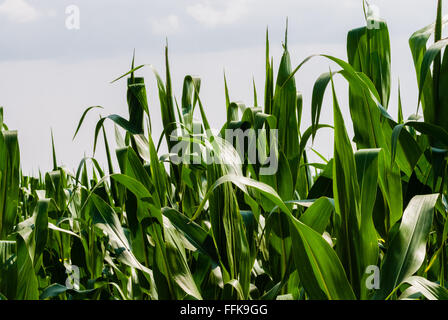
(204,221)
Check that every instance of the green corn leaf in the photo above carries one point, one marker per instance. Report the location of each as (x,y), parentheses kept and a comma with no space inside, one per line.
(193,232)
(431,290)
(430,55)
(317,216)
(81,120)
(313,254)
(9,181)
(27,284)
(407,249)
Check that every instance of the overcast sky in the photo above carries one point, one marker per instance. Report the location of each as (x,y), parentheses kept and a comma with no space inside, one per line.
(49,74)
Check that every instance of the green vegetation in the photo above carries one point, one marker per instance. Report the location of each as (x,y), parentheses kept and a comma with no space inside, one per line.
(370,223)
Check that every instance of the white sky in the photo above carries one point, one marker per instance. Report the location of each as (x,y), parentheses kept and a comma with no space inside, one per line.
(49,74)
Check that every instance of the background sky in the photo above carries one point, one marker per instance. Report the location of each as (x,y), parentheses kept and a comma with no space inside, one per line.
(50,74)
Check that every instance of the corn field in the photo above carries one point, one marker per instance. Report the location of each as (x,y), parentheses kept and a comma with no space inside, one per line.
(369,223)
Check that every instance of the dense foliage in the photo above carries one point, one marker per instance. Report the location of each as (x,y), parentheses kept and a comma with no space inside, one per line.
(370,223)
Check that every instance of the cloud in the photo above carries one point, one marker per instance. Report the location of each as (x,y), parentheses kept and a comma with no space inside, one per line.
(166,25)
(213,13)
(18,11)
